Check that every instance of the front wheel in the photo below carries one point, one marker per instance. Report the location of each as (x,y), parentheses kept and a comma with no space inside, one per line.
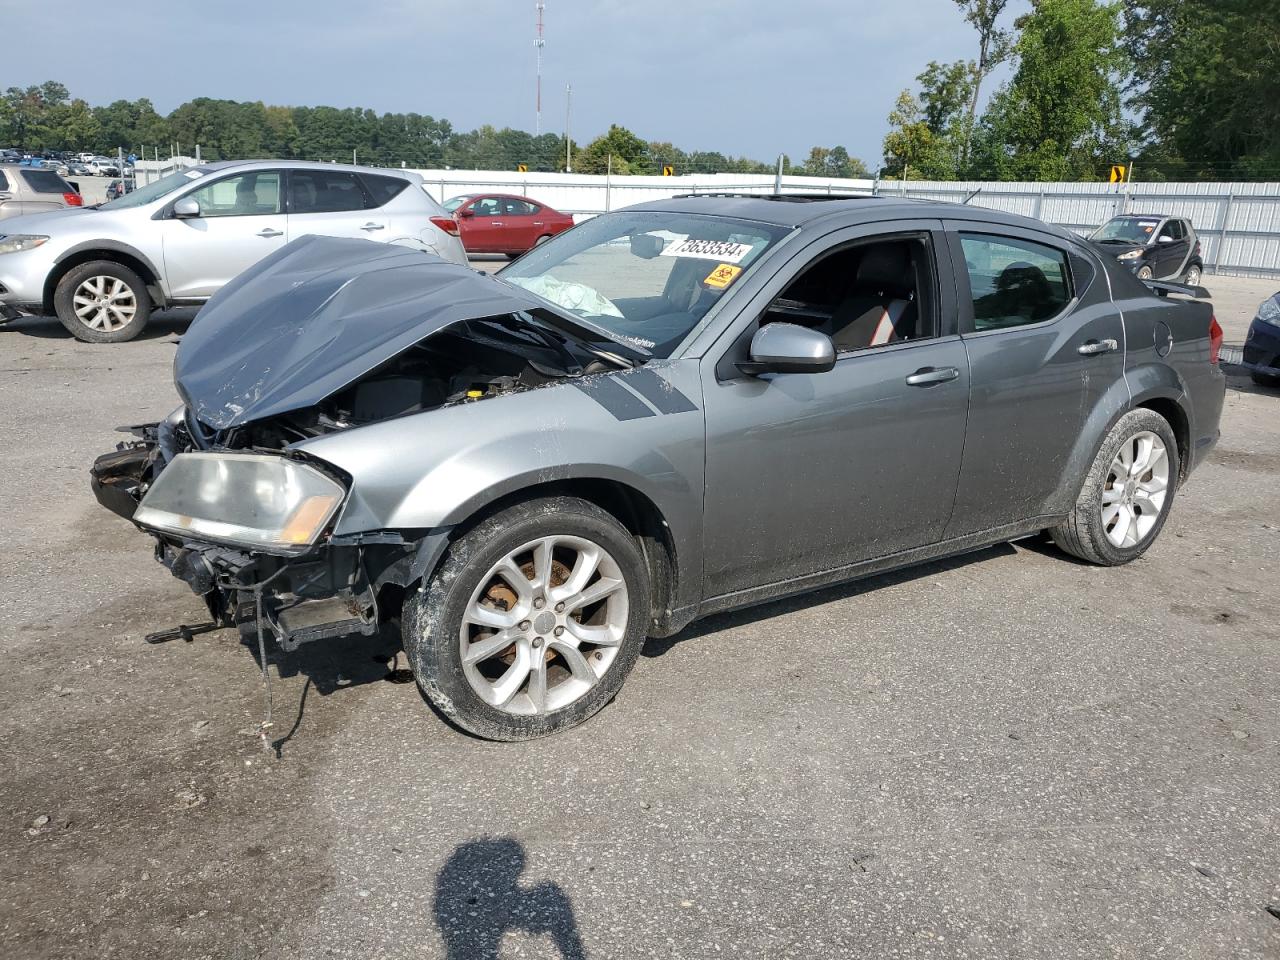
(532,622)
(1127,494)
(102,302)
(1144,273)
(1265,379)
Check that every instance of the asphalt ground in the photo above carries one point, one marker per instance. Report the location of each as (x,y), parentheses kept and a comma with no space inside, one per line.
(1007,754)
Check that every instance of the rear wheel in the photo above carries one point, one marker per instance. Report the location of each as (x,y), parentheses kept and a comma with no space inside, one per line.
(532,622)
(102,302)
(1192,276)
(1265,379)
(1127,494)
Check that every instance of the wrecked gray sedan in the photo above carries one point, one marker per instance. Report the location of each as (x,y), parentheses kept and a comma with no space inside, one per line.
(677,409)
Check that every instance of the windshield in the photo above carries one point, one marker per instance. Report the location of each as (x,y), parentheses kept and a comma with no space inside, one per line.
(647,278)
(1127,229)
(455,203)
(154,191)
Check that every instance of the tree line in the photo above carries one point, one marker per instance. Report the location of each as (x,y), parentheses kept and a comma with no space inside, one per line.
(1185,89)
(46,117)
(1180,89)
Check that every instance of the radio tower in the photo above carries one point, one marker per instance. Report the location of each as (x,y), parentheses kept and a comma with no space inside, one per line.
(538,44)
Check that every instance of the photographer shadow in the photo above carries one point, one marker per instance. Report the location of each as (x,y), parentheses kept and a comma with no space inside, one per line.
(479,899)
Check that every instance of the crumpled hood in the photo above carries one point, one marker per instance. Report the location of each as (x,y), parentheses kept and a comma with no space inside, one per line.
(317,315)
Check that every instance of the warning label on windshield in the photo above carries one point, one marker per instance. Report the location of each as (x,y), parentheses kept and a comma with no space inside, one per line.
(725,251)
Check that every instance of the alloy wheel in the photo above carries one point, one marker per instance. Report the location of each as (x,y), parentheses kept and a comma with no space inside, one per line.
(1135,490)
(105,303)
(544,625)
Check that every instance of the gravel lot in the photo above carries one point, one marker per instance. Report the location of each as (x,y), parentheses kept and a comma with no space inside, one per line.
(1003,755)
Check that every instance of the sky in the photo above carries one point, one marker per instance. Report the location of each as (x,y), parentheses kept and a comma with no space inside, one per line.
(745,77)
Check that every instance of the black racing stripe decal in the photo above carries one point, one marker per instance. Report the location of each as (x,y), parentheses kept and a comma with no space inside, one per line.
(622,403)
(658,391)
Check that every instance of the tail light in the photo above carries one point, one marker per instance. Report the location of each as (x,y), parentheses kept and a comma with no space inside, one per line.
(1215,339)
(72,199)
(447,224)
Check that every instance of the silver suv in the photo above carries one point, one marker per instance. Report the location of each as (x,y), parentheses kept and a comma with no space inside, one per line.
(176,242)
(25,189)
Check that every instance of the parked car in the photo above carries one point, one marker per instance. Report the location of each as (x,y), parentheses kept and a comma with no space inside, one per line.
(77,168)
(118,188)
(1262,346)
(101,167)
(26,190)
(177,241)
(502,223)
(1155,247)
(676,409)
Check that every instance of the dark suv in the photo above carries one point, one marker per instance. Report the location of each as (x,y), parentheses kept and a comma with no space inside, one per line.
(1154,246)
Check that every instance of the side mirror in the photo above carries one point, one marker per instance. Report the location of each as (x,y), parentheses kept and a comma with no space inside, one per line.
(646,246)
(1165,238)
(789,348)
(186,208)
(467,212)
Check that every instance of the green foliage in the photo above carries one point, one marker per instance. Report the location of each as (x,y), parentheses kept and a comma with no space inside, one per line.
(630,154)
(832,162)
(1059,118)
(1207,79)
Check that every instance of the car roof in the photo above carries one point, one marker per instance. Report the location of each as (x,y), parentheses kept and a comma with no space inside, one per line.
(802,209)
(220,165)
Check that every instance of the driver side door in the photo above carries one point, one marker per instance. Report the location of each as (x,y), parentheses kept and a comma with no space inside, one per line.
(241,221)
(810,473)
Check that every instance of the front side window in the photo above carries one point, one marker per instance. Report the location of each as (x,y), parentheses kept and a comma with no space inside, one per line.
(1014,282)
(324,191)
(648,277)
(866,295)
(487,207)
(247,195)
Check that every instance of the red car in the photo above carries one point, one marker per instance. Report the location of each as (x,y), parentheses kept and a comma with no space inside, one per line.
(504,223)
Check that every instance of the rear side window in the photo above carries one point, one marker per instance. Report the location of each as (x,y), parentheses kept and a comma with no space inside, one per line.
(45,181)
(324,191)
(518,208)
(382,189)
(1014,282)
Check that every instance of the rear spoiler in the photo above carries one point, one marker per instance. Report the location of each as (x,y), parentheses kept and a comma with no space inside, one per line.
(1163,289)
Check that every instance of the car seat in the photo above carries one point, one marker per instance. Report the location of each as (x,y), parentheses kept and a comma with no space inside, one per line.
(881,307)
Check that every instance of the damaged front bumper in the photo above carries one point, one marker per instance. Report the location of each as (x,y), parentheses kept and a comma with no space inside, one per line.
(329,590)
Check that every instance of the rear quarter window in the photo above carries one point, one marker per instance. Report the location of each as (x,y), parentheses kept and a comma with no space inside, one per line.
(45,181)
(4,181)
(383,189)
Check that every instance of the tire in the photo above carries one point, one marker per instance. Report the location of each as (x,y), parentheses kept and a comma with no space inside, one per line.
(1144,273)
(1193,275)
(438,621)
(542,239)
(1265,379)
(1087,533)
(122,311)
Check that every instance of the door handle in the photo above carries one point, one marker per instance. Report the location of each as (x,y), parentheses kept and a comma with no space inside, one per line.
(373,226)
(537,223)
(269,233)
(930,375)
(495,223)
(1094,347)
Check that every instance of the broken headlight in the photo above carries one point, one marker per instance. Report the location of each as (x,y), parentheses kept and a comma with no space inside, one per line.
(252,500)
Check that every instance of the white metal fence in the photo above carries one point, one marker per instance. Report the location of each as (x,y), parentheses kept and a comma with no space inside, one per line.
(1238,223)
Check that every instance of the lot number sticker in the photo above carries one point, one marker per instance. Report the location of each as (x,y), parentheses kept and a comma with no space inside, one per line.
(726,251)
(722,276)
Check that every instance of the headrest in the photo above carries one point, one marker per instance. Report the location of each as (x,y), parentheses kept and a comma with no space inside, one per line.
(886,268)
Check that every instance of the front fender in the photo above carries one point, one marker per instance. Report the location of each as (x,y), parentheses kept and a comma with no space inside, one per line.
(642,428)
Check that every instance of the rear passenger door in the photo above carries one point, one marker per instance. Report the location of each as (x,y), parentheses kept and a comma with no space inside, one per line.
(1046,348)
(331,203)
